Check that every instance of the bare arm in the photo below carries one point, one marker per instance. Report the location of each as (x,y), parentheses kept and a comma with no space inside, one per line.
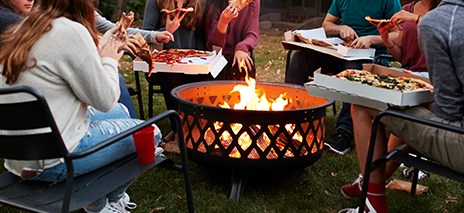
(333,29)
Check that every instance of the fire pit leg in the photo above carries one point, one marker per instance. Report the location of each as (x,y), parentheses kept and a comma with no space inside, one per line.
(238,185)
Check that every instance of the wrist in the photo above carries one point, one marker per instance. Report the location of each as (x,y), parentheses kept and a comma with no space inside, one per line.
(418,19)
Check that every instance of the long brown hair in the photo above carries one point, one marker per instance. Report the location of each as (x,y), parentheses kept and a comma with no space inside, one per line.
(190,20)
(8,5)
(16,42)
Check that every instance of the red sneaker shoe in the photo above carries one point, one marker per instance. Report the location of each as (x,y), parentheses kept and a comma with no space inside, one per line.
(354,190)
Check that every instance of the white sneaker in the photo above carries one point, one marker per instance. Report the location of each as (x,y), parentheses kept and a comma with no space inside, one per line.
(349,210)
(107,209)
(159,152)
(123,203)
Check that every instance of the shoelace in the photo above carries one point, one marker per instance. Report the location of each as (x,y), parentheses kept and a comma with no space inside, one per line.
(123,203)
(349,210)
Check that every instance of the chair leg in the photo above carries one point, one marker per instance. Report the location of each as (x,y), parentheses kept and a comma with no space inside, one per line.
(414,181)
(150,98)
(139,95)
(334,108)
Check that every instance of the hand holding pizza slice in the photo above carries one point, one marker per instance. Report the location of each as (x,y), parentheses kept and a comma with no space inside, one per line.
(240,4)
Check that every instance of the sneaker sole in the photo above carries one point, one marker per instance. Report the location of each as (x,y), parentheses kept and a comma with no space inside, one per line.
(337,151)
(345,195)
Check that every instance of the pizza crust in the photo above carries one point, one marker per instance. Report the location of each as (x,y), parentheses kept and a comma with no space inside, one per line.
(189,9)
(125,21)
(321,43)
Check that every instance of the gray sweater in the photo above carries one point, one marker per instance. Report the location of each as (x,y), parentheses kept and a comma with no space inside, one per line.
(103,25)
(8,18)
(441,39)
(71,75)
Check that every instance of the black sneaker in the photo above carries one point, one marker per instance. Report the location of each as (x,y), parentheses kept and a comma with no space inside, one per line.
(340,142)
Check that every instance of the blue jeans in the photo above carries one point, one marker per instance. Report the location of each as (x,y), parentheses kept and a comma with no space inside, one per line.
(102,126)
(125,98)
(304,62)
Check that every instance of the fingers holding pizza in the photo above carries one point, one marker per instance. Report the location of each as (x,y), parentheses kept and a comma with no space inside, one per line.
(173,24)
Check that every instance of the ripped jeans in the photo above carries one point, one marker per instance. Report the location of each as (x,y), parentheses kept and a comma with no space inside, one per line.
(102,126)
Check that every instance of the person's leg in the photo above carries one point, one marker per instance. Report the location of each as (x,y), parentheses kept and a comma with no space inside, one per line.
(300,67)
(125,98)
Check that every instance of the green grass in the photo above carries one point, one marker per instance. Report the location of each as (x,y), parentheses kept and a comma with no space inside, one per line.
(313,190)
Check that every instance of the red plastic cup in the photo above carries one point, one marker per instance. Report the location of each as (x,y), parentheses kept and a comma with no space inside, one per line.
(144,141)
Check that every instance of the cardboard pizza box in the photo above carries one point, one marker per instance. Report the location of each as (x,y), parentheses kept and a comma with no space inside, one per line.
(292,42)
(380,98)
(193,65)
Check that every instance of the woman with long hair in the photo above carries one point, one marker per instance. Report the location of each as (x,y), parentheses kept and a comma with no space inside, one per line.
(188,32)
(236,32)
(56,50)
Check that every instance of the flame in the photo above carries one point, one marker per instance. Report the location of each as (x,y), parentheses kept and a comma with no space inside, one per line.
(255,99)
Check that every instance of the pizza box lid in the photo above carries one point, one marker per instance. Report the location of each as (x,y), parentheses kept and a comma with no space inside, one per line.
(292,42)
(376,97)
(193,65)
(351,52)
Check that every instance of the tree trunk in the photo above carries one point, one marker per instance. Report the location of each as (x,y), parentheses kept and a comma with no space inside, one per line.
(121,6)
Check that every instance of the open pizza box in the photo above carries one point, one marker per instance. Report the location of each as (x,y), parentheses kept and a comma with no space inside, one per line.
(340,51)
(375,97)
(193,65)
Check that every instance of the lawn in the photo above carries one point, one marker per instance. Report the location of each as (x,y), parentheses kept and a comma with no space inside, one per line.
(316,189)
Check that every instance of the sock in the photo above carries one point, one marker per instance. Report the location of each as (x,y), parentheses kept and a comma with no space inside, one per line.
(388,176)
(376,201)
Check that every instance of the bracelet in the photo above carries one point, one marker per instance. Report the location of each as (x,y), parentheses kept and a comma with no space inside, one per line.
(418,17)
(391,46)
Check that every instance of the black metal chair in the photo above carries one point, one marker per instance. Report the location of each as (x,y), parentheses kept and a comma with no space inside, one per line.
(406,154)
(20,140)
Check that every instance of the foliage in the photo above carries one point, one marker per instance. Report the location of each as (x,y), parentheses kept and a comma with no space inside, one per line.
(107,8)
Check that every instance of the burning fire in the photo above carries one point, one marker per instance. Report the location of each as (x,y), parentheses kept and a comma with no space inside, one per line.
(255,99)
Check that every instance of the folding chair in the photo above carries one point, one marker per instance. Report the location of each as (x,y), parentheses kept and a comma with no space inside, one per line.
(21,140)
(406,154)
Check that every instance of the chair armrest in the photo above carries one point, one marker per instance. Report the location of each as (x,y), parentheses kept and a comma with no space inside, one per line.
(129,54)
(378,59)
(122,135)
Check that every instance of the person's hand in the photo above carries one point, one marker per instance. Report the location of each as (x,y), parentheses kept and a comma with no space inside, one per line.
(132,44)
(164,36)
(384,28)
(242,56)
(361,42)
(172,25)
(122,40)
(110,49)
(228,14)
(347,33)
(404,16)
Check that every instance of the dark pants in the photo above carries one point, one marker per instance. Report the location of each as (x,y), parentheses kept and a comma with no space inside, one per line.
(169,81)
(230,72)
(304,62)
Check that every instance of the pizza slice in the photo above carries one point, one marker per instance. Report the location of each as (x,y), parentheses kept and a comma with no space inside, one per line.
(304,39)
(240,4)
(189,9)
(125,21)
(321,43)
(143,52)
(382,21)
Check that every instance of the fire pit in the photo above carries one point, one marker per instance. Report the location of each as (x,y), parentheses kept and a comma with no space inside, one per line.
(250,141)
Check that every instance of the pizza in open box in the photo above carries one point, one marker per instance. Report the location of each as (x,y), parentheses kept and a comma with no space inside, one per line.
(384,81)
(173,56)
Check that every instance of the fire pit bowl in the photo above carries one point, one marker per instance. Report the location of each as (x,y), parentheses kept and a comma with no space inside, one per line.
(251,141)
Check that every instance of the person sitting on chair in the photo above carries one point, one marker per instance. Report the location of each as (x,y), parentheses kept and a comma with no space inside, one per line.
(59,54)
(234,31)
(406,51)
(440,40)
(353,27)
